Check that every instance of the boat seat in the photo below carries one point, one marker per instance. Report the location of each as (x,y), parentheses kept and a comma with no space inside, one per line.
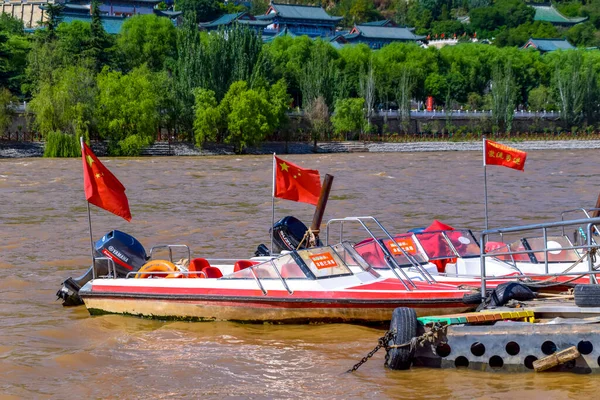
(243,264)
(197,265)
(291,271)
(212,272)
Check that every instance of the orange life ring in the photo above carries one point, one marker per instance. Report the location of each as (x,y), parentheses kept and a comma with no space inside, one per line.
(157,266)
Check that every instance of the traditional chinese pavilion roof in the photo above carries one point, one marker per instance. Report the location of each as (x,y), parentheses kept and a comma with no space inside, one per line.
(383,22)
(545,45)
(383,32)
(243,18)
(111,25)
(547,13)
(167,13)
(284,32)
(289,11)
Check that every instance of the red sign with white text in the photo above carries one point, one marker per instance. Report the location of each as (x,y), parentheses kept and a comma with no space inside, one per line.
(323,260)
(406,243)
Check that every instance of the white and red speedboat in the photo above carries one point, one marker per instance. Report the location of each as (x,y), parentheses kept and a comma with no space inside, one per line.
(319,284)
(454,256)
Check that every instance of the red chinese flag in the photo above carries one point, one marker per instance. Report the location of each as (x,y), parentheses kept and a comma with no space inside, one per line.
(101,187)
(499,154)
(295,183)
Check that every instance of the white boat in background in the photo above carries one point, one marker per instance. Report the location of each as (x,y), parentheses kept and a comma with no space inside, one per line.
(544,252)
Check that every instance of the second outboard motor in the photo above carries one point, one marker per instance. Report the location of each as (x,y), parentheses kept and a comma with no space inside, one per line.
(288,233)
(127,253)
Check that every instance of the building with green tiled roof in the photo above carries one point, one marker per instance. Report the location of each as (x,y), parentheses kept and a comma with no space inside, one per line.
(300,20)
(383,22)
(545,45)
(242,18)
(547,13)
(113,13)
(377,36)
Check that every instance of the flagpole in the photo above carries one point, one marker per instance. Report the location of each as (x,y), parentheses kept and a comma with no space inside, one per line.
(273,205)
(89,222)
(485,195)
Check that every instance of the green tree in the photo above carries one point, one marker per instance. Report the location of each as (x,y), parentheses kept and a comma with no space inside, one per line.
(129,108)
(208,117)
(100,41)
(436,85)
(541,98)
(203,10)
(147,39)
(6,109)
(504,93)
(279,101)
(66,102)
(317,114)
(13,60)
(404,91)
(248,117)
(288,56)
(54,17)
(348,116)
(583,35)
(240,50)
(11,25)
(318,77)
(519,35)
(189,72)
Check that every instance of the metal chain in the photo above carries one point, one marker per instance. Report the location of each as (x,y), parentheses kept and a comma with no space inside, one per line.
(381,342)
(430,336)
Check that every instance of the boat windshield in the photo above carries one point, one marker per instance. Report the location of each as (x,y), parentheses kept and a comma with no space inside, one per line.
(373,253)
(448,244)
(318,262)
(285,265)
(557,249)
(352,259)
(324,262)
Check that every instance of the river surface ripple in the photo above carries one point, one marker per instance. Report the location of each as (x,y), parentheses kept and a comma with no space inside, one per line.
(221,206)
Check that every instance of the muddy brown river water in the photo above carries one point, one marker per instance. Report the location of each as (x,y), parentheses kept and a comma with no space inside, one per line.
(221,206)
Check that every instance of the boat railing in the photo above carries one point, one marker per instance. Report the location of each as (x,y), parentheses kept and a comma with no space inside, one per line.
(586,212)
(170,247)
(112,269)
(389,257)
(587,249)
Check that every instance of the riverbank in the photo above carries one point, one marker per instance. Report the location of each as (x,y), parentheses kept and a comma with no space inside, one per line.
(36,149)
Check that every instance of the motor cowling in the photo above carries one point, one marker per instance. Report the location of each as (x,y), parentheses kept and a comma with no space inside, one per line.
(127,253)
(288,234)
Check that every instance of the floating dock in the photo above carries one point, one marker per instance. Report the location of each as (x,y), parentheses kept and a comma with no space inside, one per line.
(513,340)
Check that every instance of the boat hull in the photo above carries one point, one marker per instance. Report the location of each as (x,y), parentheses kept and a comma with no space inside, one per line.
(264,310)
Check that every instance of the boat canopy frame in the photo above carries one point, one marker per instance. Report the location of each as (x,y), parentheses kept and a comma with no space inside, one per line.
(390,259)
(585,248)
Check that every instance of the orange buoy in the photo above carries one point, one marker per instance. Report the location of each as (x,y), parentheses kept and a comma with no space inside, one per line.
(148,269)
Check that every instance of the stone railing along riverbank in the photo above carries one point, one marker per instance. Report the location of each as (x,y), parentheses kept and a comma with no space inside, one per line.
(36,149)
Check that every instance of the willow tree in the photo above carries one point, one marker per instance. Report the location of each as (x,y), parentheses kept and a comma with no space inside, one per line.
(189,72)
(367,92)
(231,56)
(504,97)
(404,91)
(576,88)
(318,77)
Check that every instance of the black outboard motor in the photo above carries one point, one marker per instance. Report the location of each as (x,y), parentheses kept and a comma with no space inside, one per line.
(288,233)
(127,254)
